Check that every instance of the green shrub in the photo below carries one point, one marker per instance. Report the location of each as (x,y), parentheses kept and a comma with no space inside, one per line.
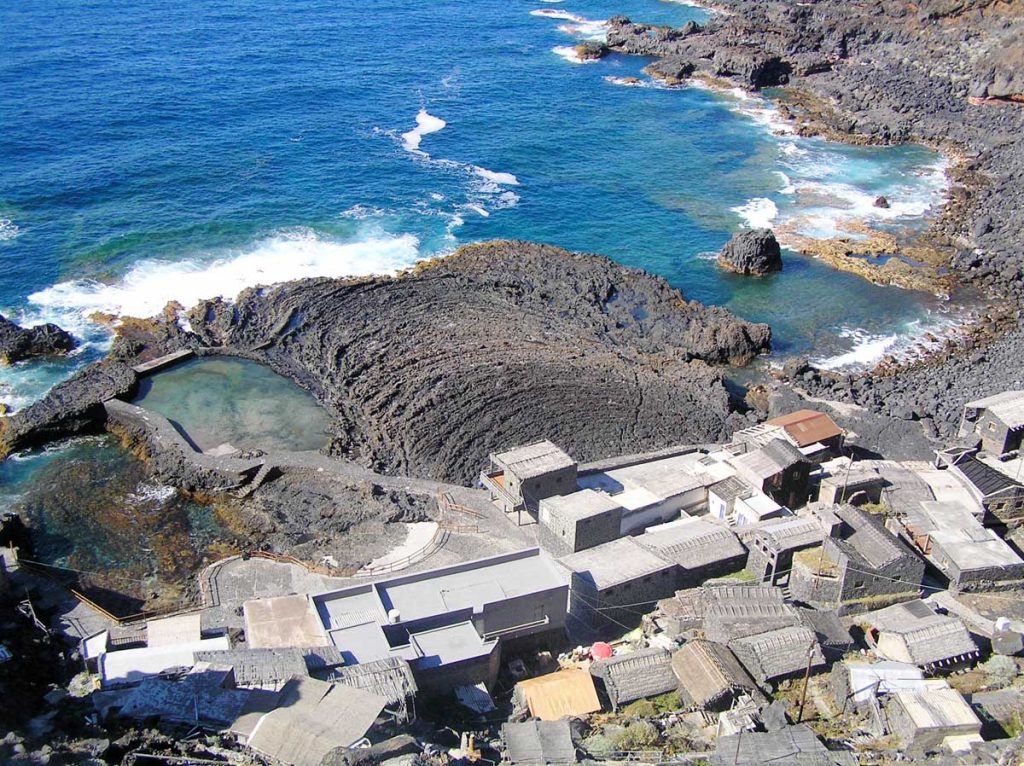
(640,709)
(640,735)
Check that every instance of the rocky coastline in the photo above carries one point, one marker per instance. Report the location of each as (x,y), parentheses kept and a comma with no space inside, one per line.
(941,73)
(426,373)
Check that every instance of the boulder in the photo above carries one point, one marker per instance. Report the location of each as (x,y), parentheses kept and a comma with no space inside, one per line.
(18,343)
(753,252)
(882,201)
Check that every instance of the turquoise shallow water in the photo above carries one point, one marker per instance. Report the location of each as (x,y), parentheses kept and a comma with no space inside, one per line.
(220,401)
(154,152)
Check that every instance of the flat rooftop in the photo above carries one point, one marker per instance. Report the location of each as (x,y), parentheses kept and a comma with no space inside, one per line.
(619,561)
(975,547)
(451,643)
(644,484)
(581,505)
(439,591)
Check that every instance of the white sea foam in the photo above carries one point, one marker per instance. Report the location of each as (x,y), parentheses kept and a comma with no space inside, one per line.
(502,179)
(867,350)
(426,124)
(361,212)
(568,52)
(757,213)
(151,493)
(8,229)
(149,285)
(588,30)
(787,184)
(478,209)
(557,13)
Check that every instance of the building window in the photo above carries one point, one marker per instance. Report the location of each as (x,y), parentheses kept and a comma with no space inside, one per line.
(858,583)
(991,426)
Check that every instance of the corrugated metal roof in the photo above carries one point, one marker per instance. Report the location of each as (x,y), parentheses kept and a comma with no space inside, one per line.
(1008,406)
(808,426)
(937,709)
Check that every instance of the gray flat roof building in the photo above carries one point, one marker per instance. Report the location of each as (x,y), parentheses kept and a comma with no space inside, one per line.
(615,563)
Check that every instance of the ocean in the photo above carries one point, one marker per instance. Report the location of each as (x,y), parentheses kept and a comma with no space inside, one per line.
(154,152)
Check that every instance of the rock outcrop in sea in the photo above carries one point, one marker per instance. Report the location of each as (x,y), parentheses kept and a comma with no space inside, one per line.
(18,343)
(753,252)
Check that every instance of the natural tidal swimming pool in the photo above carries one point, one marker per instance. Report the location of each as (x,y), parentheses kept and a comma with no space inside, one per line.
(223,402)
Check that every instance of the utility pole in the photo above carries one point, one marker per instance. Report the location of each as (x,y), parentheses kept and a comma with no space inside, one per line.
(807,678)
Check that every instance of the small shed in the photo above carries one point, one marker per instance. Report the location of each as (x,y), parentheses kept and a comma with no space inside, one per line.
(997,420)
(700,549)
(679,613)
(925,722)
(912,632)
(711,677)
(778,654)
(636,675)
(389,677)
(808,429)
(568,692)
(538,743)
(312,718)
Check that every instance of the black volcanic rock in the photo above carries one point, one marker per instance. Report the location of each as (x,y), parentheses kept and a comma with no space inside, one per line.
(496,345)
(753,252)
(18,343)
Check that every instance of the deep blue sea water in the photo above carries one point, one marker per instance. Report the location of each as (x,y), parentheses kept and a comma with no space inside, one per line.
(152,151)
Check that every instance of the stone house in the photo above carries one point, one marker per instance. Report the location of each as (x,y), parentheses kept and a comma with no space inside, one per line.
(862,566)
(792,746)
(778,469)
(538,743)
(736,611)
(617,582)
(771,546)
(519,479)
(637,675)
(911,632)
(722,497)
(928,721)
(777,654)
(710,676)
(699,548)
(677,614)
(1000,496)
(855,486)
(814,433)
(997,420)
(584,519)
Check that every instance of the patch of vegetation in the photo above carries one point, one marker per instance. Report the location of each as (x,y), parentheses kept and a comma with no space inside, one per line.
(878,509)
(640,735)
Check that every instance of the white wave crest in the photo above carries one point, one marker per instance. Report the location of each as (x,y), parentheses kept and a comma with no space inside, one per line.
(149,285)
(757,213)
(151,493)
(787,184)
(426,124)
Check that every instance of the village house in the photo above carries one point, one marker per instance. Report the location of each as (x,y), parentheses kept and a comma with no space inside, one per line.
(854,485)
(617,582)
(519,479)
(814,433)
(861,566)
(677,614)
(711,678)
(537,743)
(653,491)
(912,632)
(858,684)
(450,623)
(777,654)
(584,519)
(636,675)
(972,557)
(1000,496)
(736,611)
(929,721)
(778,469)
(771,546)
(796,745)
(997,420)
(700,549)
